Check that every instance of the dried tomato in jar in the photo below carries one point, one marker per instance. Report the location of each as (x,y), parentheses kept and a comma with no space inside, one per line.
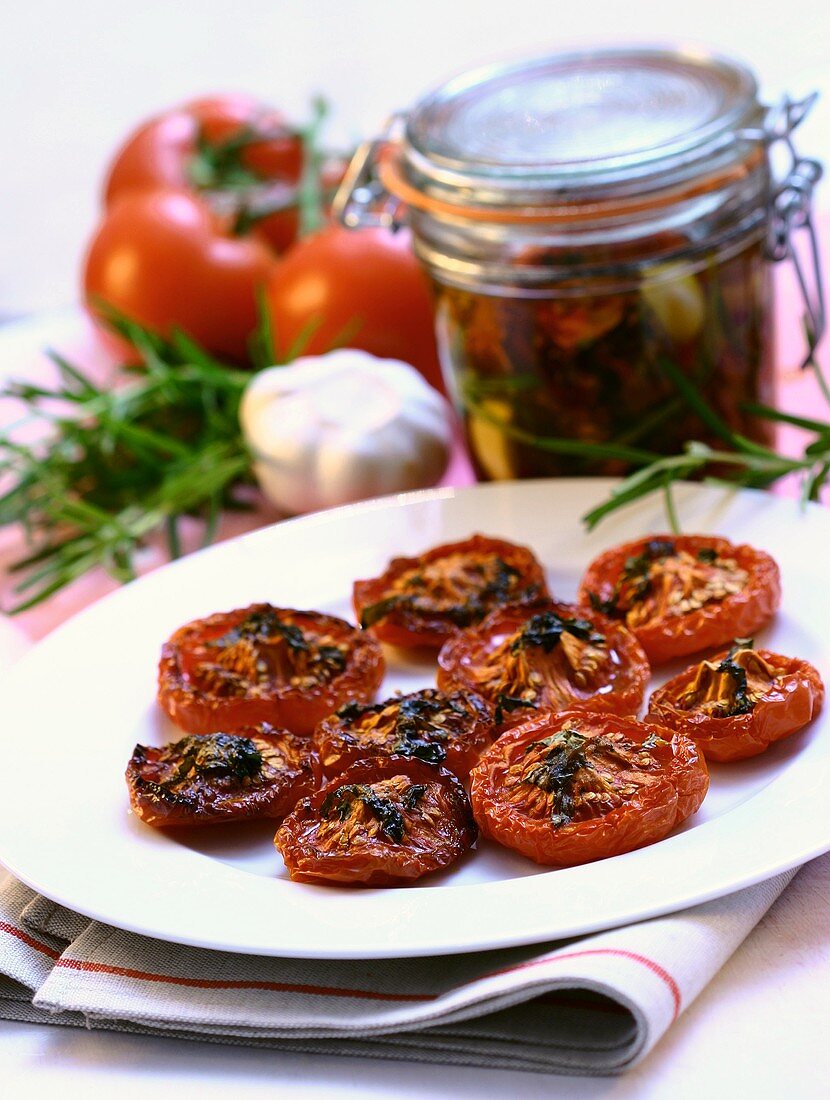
(597,227)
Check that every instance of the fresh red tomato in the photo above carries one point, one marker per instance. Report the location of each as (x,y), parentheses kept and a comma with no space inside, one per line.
(222,777)
(740,702)
(423,601)
(570,788)
(451,730)
(165,261)
(228,144)
(683,593)
(265,664)
(361,288)
(546,656)
(386,821)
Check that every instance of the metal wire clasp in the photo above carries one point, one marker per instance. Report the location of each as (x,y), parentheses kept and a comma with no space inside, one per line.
(361,198)
(791,210)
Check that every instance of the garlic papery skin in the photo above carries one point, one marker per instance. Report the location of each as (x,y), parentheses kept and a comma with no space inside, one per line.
(342,427)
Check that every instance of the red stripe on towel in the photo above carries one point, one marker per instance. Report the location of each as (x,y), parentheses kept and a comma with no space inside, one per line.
(20,935)
(644,960)
(365,994)
(210,983)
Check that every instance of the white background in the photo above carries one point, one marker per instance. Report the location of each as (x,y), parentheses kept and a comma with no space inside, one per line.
(77,75)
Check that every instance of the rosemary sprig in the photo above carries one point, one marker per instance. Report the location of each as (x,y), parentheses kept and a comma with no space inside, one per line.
(310,195)
(116,464)
(742,463)
(750,470)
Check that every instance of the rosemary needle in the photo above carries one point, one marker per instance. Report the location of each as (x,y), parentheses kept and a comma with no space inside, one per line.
(742,462)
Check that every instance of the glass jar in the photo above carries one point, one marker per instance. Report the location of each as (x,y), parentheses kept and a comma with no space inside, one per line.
(597,228)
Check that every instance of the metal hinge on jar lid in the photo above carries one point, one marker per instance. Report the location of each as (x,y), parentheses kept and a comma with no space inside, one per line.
(791,210)
(361,199)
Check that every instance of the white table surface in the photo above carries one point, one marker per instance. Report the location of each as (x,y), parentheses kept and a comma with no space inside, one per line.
(760,1029)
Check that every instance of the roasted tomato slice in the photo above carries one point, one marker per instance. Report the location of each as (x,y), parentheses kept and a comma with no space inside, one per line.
(448,729)
(422,601)
(569,788)
(265,664)
(258,772)
(382,822)
(683,593)
(546,656)
(740,702)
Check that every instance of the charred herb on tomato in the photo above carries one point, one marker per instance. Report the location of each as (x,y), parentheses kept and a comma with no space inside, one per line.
(577,777)
(512,677)
(417,725)
(731,687)
(413,795)
(556,771)
(506,704)
(654,550)
(635,576)
(215,757)
(264,625)
(377,611)
(345,799)
(218,754)
(685,582)
(416,720)
(546,630)
(350,711)
(482,585)
(245,647)
(741,703)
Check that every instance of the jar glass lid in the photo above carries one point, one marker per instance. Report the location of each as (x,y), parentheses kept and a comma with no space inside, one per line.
(574,120)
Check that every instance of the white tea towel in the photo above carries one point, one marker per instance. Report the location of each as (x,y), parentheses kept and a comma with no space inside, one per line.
(595,1005)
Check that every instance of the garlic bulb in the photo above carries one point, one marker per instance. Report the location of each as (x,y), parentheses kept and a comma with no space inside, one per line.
(341,427)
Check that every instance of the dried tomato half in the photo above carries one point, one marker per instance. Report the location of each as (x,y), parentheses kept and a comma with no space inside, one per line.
(546,656)
(221,777)
(422,601)
(738,703)
(683,593)
(569,788)
(265,664)
(382,822)
(448,729)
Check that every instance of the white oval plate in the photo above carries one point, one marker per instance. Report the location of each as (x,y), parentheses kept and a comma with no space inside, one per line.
(72,710)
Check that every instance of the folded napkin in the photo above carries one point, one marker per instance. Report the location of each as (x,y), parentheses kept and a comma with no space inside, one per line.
(594,1006)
